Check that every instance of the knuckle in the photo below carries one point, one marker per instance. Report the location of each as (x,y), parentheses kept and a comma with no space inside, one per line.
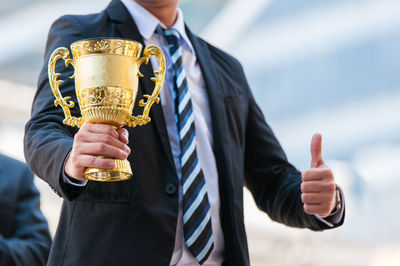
(305,174)
(107,164)
(74,151)
(86,127)
(327,173)
(302,187)
(331,187)
(108,139)
(91,160)
(74,161)
(111,131)
(327,197)
(78,165)
(78,137)
(124,155)
(307,209)
(128,149)
(324,211)
(331,198)
(102,163)
(101,148)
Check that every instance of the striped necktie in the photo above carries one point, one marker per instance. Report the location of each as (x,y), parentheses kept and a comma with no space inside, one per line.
(196,207)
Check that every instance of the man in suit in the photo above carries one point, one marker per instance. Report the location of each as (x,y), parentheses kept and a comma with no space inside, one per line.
(24,234)
(207,139)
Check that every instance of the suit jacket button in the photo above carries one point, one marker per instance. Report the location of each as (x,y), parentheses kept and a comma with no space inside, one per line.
(170,189)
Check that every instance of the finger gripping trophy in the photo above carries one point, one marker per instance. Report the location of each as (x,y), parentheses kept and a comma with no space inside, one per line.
(106,84)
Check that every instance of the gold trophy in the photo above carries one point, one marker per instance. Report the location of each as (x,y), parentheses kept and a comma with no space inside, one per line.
(106,84)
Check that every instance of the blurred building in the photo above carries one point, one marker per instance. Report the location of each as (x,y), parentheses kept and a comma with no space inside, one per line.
(328,66)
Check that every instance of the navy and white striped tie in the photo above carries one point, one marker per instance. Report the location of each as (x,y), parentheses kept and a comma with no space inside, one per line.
(196,207)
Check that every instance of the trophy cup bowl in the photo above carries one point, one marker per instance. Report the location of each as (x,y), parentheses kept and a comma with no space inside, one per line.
(106,85)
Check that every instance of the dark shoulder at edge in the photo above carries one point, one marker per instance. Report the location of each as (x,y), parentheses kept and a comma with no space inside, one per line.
(8,162)
(81,22)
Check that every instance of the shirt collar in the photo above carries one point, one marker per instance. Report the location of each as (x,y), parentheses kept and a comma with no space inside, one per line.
(147,23)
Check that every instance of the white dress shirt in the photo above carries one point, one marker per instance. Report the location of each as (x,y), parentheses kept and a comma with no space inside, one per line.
(147,24)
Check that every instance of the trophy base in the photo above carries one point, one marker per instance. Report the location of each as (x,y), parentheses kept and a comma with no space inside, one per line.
(122,171)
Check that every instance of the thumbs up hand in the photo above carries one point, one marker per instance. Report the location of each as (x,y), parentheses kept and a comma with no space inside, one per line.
(318,186)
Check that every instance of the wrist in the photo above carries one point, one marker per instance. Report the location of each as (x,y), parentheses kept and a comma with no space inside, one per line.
(338,202)
(70,179)
(74,180)
(69,171)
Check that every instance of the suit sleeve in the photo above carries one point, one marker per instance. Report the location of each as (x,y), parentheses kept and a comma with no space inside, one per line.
(47,140)
(30,242)
(273,181)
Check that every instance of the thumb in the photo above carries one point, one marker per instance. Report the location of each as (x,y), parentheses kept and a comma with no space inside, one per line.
(316,157)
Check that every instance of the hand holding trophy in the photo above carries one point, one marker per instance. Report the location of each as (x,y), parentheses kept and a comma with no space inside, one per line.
(106,84)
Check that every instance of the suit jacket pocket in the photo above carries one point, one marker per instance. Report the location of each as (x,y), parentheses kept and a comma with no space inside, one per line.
(235,99)
(108,192)
(236,110)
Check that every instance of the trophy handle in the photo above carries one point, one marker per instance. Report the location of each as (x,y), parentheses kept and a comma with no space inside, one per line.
(153,98)
(63,53)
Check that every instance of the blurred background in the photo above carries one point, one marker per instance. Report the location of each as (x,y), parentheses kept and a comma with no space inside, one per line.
(328,66)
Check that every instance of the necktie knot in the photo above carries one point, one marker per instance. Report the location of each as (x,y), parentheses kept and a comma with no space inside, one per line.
(171,35)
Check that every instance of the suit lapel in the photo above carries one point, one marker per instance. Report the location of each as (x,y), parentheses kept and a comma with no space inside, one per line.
(125,27)
(217,108)
(214,86)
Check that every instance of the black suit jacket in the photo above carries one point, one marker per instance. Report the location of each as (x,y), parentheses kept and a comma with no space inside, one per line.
(24,234)
(133,222)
